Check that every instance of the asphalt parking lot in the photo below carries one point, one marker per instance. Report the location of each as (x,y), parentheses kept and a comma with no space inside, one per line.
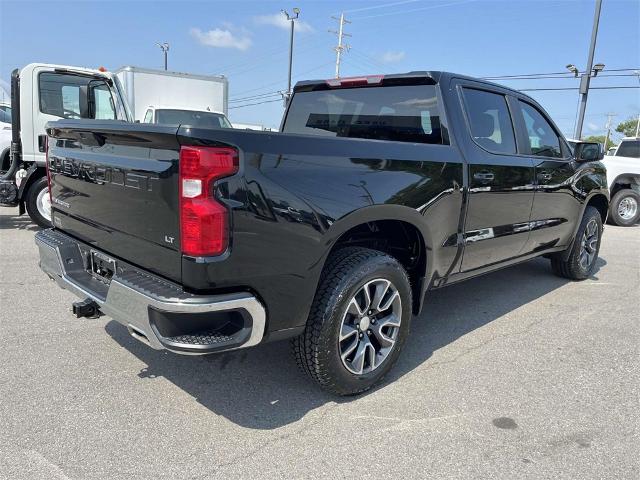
(518,374)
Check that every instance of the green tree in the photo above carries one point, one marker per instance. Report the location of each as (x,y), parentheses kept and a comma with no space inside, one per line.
(628,127)
(600,139)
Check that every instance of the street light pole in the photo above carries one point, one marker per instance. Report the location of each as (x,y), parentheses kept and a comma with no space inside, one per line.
(585,79)
(165,49)
(292,19)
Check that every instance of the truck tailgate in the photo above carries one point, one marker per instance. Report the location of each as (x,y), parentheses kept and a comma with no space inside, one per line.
(114,185)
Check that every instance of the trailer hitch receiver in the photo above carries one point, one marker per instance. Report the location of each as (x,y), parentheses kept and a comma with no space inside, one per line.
(87,308)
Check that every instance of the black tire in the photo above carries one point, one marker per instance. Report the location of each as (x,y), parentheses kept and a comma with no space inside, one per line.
(31,202)
(614,208)
(572,267)
(317,349)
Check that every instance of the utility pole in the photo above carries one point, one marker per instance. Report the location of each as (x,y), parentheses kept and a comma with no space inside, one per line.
(586,77)
(609,118)
(637,72)
(341,46)
(292,19)
(165,49)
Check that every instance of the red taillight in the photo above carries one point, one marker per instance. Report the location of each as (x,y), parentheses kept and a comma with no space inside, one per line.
(46,163)
(204,221)
(354,81)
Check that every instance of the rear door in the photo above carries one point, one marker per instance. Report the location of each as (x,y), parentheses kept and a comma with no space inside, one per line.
(501,181)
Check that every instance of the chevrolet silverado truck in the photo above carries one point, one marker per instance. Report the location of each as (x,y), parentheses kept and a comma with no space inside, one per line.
(328,233)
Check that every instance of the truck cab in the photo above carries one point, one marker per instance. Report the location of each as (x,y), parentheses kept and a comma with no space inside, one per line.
(41,93)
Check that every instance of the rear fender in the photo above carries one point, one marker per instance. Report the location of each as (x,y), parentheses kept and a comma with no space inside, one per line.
(380,213)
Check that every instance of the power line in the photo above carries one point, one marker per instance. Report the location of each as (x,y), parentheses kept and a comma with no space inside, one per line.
(497,77)
(255,97)
(400,12)
(282,82)
(380,6)
(257,103)
(573,88)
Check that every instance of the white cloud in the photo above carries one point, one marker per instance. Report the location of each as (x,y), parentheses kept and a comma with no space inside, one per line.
(593,127)
(392,57)
(280,20)
(222,38)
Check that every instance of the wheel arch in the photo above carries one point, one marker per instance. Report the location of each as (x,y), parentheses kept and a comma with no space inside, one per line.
(598,199)
(33,174)
(601,203)
(625,180)
(396,230)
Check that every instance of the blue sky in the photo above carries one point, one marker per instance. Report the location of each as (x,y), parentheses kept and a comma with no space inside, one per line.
(248,42)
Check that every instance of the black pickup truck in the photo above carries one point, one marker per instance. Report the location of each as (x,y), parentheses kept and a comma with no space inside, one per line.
(330,232)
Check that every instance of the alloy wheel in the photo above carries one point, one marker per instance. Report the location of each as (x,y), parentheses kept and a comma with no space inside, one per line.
(589,244)
(370,326)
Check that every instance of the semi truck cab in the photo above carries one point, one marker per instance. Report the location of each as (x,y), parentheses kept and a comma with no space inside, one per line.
(41,93)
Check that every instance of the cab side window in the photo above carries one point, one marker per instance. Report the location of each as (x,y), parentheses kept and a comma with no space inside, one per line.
(490,121)
(148,116)
(543,140)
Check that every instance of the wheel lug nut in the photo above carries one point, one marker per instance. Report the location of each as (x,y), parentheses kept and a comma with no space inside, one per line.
(361,335)
(368,332)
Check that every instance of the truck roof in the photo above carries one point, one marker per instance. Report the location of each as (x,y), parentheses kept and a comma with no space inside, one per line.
(429,76)
(168,73)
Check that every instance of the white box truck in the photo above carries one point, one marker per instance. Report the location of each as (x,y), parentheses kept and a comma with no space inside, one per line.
(146,88)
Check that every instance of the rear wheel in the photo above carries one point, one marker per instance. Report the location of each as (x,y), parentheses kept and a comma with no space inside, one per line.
(358,323)
(38,202)
(582,258)
(625,208)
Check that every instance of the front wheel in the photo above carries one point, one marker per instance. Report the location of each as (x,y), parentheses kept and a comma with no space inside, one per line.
(38,202)
(359,321)
(625,208)
(583,256)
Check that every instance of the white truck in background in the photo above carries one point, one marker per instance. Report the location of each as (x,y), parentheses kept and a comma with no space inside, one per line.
(148,89)
(40,93)
(623,175)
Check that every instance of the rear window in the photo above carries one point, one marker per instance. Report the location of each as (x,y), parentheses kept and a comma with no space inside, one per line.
(191,117)
(400,113)
(629,148)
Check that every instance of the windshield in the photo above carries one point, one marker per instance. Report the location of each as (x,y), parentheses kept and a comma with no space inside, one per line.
(5,114)
(408,113)
(629,148)
(192,117)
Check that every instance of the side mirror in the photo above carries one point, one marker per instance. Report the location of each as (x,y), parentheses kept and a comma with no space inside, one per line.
(588,151)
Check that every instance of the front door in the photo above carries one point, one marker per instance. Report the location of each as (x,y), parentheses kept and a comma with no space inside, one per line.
(556,207)
(501,182)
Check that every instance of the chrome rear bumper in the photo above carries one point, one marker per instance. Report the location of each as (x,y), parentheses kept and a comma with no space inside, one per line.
(156,311)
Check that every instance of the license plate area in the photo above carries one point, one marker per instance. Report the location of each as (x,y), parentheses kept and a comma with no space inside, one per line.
(101,266)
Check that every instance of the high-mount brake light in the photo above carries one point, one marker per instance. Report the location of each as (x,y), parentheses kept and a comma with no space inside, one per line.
(204,221)
(355,81)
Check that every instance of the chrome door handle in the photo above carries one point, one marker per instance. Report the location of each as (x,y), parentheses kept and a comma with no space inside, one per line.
(484,177)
